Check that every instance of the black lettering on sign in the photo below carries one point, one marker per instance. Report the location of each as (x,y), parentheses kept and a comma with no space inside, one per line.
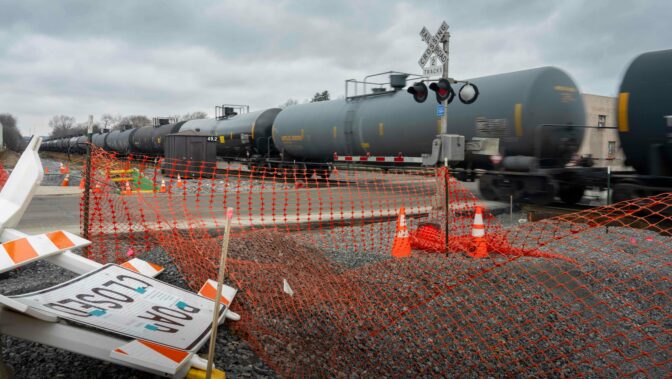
(190,309)
(165,329)
(112,282)
(118,296)
(84,305)
(158,318)
(85,297)
(58,306)
(171,313)
(123,278)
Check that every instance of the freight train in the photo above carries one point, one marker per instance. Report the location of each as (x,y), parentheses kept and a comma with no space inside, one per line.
(644,122)
(536,116)
(386,122)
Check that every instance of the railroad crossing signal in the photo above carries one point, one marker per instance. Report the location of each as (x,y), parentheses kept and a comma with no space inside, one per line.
(419,92)
(434,48)
(444,92)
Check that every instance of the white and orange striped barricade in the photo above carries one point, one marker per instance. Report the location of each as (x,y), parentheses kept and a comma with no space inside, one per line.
(127,313)
(18,252)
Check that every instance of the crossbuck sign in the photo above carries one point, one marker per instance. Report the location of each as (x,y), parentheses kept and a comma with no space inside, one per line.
(434,50)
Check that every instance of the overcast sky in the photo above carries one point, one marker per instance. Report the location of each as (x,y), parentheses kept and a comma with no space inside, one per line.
(171,57)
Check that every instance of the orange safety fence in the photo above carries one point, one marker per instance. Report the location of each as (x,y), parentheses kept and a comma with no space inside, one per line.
(320,294)
(3,176)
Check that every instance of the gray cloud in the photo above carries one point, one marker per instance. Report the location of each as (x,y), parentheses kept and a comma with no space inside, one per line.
(157,57)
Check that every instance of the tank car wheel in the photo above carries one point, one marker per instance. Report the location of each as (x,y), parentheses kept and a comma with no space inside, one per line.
(626,191)
(542,197)
(485,186)
(571,194)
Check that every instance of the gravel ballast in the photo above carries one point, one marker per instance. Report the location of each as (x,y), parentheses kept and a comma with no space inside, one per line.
(355,311)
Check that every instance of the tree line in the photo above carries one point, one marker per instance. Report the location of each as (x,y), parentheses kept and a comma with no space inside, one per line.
(11,136)
(67,126)
(319,96)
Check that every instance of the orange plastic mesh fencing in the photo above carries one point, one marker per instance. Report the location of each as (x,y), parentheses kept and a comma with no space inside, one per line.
(3,176)
(320,294)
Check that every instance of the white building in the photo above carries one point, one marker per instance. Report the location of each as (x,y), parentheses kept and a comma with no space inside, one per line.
(601,142)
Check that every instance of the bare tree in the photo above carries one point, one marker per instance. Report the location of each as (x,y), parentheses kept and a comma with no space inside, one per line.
(192,116)
(107,120)
(82,128)
(11,136)
(288,103)
(134,121)
(60,125)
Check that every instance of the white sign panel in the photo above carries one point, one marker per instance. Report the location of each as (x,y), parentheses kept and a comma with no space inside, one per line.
(434,49)
(125,302)
(433,70)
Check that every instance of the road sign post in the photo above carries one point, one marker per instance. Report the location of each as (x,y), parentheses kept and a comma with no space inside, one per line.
(87,181)
(437,48)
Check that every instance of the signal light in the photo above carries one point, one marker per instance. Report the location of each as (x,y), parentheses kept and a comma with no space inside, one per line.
(468,93)
(419,92)
(444,92)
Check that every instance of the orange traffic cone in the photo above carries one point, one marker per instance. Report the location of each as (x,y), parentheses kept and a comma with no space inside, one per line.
(67,169)
(46,169)
(61,168)
(82,183)
(479,247)
(179,181)
(402,241)
(66,181)
(163,186)
(97,188)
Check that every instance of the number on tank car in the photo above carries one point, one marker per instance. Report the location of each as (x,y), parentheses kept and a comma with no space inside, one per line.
(212,139)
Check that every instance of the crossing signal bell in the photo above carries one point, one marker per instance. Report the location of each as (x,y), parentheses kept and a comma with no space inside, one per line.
(419,92)
(444,92)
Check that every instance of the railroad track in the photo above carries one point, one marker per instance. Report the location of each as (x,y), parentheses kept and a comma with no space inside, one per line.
(644,217)
(539,212)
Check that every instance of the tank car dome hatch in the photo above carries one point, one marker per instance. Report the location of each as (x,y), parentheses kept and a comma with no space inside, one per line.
(645,98)
(510,106)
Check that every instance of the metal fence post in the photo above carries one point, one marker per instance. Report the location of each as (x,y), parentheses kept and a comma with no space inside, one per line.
(87,181)
(447,201)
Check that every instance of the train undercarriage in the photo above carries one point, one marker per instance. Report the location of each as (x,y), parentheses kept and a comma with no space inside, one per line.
(542,186)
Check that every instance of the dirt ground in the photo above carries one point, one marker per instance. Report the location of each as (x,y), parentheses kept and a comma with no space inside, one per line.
(8,158)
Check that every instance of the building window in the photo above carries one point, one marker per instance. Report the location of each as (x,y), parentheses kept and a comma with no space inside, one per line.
(601,120)
(611,149)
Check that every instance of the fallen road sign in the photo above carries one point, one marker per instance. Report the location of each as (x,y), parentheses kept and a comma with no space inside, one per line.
(122,301)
